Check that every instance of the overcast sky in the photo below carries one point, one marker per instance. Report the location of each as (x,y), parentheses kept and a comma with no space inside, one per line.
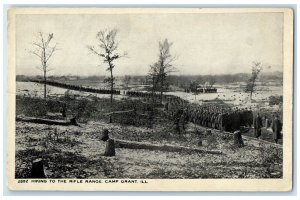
(204,43)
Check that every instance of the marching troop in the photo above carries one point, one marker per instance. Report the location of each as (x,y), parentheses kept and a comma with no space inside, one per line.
(211,116)
(214,116)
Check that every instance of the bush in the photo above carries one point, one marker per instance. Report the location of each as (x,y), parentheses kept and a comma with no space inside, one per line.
(31,106)
(85,109)
(270,155)
(275,100)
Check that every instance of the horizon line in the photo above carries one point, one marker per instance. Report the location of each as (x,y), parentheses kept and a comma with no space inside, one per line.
(278,71)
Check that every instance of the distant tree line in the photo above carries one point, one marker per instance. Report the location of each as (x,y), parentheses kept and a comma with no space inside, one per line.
(176,80)
(184,81)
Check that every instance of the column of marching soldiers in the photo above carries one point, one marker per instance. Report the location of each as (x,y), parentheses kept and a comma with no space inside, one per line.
(213,116)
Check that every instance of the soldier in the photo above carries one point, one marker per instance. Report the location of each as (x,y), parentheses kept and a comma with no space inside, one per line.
(167,106)
(192,114)
(177,120)
(266,121)
(245,117)
(64,108)
(203,117)
(199,117)
(250,117)
(228,121)
(235,120)
(276,127)
(220,120)
(211,112)
(204,121)
(257,125)
(210,119)
(185,118)
(195,115)
(214,123)
(217,120)
(242,117)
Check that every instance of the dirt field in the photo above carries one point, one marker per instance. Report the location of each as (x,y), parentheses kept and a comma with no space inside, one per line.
(76,152)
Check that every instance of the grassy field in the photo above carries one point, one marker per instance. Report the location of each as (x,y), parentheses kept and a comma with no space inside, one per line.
(76,151)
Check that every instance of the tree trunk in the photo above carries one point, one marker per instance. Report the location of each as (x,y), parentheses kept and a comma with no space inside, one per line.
(45,85)
(111,86)
(44,62)
(155,147)
(48,121)
(153,88)
(238,140)
(161,90)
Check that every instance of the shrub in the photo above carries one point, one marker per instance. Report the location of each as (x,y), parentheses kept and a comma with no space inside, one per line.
(275,100)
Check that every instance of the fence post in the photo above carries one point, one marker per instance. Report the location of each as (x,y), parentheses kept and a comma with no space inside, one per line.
(110,148)
(37,169)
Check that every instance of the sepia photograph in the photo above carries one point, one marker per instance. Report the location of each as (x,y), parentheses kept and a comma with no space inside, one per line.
(150,99)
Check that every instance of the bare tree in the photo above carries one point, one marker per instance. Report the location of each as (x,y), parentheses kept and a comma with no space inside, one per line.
(127,80)
(251,84)
(107,51)
(44,49)
(163,67)
(153,74)
(212,81)
(194,88)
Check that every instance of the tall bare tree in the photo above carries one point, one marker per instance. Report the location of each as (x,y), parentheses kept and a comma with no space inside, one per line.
(107,51)
(127,80)
(163,67)
(251,84)
(154,78)
(44,49)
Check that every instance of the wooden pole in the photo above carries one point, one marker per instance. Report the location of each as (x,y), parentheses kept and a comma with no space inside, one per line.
(238,140)
(110,148)
(37,170)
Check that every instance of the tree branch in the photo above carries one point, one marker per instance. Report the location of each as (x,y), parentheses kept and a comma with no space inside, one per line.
(93,50)
(35,53)
(53,49)
(38,45)
(49,69)
(39,68)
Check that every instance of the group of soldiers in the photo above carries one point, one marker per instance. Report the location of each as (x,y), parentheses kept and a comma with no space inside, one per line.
(141,94)
(202,90)
(215,116)
(274,123)
(148,96)
(212,116)
(223,118)
(78,87)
